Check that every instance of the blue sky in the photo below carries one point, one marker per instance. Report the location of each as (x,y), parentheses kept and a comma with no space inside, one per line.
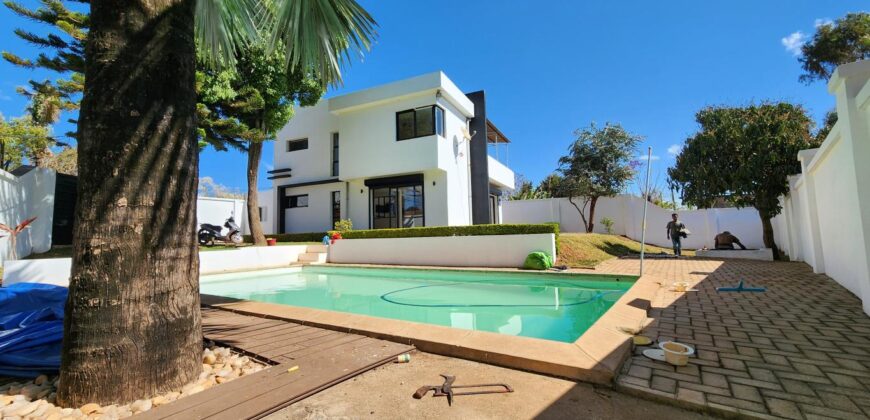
(548,70)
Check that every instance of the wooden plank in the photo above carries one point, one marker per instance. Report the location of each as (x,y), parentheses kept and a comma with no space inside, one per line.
(331,368)
(324,358)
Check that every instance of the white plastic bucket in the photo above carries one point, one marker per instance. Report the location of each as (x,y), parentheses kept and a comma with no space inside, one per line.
(676,354)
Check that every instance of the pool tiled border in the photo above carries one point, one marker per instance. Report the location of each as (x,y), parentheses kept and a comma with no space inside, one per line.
(594,357)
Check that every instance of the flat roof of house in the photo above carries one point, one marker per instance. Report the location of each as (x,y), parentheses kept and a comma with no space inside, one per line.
(425,84)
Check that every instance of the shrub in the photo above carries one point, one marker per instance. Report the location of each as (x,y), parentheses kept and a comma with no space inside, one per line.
(294,237)
(608,225)
(343,225)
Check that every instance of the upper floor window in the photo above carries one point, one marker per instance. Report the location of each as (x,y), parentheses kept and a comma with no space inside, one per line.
(294,145)
(334,154)
(419,122)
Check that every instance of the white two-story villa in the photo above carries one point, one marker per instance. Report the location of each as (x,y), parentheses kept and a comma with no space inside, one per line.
(405,154)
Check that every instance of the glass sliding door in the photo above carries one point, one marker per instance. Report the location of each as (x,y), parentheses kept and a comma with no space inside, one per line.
(397,206)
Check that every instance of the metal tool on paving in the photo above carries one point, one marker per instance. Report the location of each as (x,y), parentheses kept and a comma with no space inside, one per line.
(446,389)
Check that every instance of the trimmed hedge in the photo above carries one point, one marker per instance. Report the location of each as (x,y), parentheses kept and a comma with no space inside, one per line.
(293,237)
(422,232)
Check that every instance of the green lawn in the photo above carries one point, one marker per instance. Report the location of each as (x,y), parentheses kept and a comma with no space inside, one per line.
(586,250)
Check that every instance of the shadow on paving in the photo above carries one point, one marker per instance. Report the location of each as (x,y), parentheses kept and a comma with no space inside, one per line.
(800,349)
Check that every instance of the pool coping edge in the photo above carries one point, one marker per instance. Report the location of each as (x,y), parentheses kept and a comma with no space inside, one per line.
(596,356)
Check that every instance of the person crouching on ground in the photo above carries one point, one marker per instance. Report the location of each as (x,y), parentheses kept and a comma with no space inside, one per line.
(726,240)
(675,233)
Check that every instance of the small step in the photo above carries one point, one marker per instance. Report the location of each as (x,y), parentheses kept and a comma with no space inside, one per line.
(316,248)
(313,257)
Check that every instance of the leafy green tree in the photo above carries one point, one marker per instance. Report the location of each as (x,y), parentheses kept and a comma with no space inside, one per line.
(844,41)
(65,162)
(64,54)
(598,164)
(132,324)
(21,139)
(827,126)
(244,106)
(744,154)
(551,186)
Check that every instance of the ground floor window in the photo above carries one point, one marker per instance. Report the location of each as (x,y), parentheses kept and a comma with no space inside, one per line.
(493,209)
(336,207)
(397,202)
(298,201)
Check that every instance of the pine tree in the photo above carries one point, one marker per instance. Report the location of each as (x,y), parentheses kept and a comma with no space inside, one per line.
(64,54)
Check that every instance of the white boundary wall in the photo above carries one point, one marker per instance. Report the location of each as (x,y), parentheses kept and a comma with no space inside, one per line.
(31,194)
(57,270)
(627,214)
(447,251)
(215,211)
(826,216)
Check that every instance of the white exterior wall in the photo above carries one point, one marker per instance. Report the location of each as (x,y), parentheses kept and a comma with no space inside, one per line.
(266,199)
(627,215)
(315,163)
(828,205)
(317,217)
(23,197)
(368,148)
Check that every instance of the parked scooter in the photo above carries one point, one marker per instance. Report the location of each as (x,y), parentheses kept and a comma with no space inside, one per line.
(209,234)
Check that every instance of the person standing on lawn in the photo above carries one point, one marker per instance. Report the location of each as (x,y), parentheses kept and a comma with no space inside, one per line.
(675,230)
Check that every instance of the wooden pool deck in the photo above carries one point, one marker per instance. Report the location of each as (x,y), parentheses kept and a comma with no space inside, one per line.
(324,358)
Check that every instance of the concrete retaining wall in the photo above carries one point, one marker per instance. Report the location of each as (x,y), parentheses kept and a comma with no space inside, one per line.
(57,270)
(449,251)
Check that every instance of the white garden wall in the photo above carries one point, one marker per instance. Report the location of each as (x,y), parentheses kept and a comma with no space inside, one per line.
(627,214)
(29,195)
(57,270)
(447,251)
(826,216)
(215,211)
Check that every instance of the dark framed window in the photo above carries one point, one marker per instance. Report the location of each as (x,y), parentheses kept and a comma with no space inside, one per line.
(336,207)
(419,122)
(260,213)
(334,154)
(298,201)
(294,145)
(396,202)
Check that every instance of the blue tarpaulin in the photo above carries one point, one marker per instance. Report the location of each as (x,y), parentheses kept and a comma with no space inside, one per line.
(31,328)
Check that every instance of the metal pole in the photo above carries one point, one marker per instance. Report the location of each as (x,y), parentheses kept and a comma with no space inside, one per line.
(645,202)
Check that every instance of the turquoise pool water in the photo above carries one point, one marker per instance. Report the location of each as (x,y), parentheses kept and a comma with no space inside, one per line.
(552,307)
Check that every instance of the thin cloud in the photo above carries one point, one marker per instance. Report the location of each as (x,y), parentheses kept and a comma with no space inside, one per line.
(642,158)
(269,166)
(794,42)
(674,149)
(822,22)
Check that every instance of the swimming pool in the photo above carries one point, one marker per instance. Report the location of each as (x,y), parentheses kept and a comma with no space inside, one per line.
(552,307)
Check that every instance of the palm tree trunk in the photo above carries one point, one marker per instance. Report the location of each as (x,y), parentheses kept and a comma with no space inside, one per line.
(255,150)
(132,321)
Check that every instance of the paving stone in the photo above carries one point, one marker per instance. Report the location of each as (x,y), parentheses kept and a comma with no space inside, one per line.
(714,379)
(746,392)
(784,408)
(828,412)
(734,402)
(642,372)
(845,380)
(691,396)
(664,384)
(801,350)
(838,401)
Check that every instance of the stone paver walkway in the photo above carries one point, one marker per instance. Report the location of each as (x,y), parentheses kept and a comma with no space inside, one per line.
(801,350)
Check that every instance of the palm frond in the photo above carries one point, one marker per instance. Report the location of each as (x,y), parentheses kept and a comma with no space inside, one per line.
(321,35)
(224,26)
